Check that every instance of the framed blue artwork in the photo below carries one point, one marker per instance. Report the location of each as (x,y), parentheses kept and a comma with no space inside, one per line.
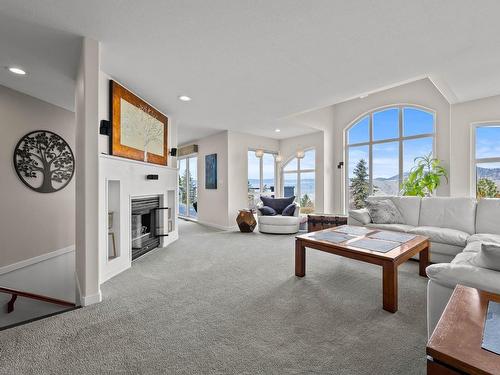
(211,171)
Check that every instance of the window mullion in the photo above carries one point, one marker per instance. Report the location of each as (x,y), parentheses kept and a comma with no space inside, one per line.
(400,169)
(370,158)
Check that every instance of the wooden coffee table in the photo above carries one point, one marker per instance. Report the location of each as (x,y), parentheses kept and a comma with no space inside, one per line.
(389,260)
(455,344)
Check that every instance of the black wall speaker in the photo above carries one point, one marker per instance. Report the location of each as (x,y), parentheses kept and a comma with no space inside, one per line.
(105,127)
(152,177)
(173,151)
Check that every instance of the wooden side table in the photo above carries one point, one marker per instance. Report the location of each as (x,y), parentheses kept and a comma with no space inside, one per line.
(455,344)
(320,221)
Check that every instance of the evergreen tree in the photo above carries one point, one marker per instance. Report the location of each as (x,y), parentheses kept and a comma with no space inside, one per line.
(360,186)
(487,188)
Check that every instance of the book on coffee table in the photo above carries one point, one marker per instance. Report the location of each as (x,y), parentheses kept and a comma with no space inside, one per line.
(491,334)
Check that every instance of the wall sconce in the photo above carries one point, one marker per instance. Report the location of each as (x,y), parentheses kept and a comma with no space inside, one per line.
(300,154)
(278,158)
(259,153)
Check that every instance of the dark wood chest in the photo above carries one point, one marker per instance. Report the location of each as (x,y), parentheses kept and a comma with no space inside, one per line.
(317,222)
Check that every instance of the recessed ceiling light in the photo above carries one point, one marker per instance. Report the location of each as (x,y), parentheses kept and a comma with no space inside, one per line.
(277,130)
(184,98)
(17,71)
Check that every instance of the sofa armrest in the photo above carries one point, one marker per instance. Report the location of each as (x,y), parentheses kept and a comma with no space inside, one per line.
(359,217)
(449,275)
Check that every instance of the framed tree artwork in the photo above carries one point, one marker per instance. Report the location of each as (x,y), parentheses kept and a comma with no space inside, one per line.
(44,161)
(138,130)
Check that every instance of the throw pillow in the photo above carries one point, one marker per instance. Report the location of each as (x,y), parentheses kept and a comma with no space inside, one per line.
(279,204)
(384,212)
(362,215)
(487,257)
(289,210)
(267,211)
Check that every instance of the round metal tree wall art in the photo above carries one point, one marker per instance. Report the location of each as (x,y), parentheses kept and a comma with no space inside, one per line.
(44,161)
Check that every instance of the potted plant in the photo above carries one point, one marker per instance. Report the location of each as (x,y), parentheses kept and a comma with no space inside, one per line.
(425,177)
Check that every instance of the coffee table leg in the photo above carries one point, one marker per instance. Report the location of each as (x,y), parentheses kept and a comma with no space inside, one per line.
(390,287)
(423,261)
(300,258)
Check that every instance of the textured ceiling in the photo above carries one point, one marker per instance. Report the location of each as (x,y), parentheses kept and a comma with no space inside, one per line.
(250,64)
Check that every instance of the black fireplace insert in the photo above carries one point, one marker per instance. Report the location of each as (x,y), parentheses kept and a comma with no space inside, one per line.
(147,225)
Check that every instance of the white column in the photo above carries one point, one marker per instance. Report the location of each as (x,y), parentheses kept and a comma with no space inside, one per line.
(87,174)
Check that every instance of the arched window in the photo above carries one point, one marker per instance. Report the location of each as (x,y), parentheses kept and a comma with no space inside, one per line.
(299,179)
(381,148)
(486,160)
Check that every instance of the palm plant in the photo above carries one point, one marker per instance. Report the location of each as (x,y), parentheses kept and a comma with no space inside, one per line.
(425,177)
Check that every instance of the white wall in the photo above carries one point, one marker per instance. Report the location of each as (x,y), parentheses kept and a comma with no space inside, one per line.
(463,115)
(288,149)
(32,223)
(213,203)
(422,93)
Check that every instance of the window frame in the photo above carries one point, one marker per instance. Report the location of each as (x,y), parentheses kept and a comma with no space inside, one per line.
(298,173)
(474,161)
(187,158)
(261,170)
(371,142)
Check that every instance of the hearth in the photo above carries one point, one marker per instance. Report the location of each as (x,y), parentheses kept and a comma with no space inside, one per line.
(147,225)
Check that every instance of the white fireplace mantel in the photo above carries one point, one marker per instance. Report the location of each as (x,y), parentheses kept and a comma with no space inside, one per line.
(119,180)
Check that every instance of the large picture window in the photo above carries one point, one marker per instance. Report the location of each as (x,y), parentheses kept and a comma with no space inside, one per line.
(298,176)
(486,160)
(381,148)
(261,176)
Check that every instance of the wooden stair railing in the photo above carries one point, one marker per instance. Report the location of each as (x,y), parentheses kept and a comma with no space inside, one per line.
(15,293)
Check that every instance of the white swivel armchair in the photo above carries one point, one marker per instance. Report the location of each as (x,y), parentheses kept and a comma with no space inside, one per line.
(278,224)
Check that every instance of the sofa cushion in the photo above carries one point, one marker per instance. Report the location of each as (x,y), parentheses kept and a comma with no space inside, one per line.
(484,237)
(472,247)
(278,220)
(361,215)
(488,257)
(278,204)
(447,212)
(289,210)
(464,258)
(394,227)
(488,212)
(384,211)
(409,207)
(267,211)
(442,235)
(449,275)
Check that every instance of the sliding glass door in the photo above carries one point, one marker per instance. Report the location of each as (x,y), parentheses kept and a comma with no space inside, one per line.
(188,187)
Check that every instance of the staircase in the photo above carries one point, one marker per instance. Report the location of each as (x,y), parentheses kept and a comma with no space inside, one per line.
(21,307)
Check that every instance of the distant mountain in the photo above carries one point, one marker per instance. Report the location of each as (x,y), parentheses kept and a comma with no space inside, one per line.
(491,173)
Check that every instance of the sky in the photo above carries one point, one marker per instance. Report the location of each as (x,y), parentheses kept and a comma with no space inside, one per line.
(488,142)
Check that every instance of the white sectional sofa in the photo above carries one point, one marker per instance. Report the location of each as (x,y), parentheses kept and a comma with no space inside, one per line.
(456,227)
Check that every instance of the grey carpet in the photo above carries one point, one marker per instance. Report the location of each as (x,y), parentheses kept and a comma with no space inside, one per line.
(229,303)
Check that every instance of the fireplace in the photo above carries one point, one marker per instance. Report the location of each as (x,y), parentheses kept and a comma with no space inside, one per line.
(147,225)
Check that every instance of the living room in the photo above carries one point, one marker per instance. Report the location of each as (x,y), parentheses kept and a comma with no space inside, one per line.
(269,187)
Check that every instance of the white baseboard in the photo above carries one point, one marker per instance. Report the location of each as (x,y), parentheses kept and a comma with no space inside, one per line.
(40,258)
(90,300)
(86,300)
(217,226)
